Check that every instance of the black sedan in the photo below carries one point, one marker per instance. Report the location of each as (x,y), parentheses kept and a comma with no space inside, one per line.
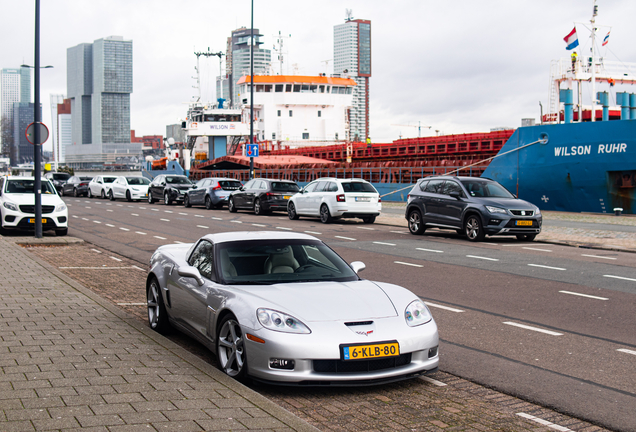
(211,192)
(168,188)
(58,178)
(76,186)
(262,196)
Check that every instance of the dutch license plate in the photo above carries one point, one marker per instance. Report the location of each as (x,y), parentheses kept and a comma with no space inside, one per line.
(286,197)
(365,352)
(32,220)
(523,223)
(363,199)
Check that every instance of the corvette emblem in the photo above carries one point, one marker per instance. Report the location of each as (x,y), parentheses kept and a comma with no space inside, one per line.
(365,333)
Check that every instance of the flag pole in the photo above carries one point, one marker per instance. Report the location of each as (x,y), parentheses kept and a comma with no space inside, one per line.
(593,21)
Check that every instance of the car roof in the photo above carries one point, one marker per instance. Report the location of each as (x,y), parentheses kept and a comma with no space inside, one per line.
(449,177)
(23,178)
(226,237)
(340,180)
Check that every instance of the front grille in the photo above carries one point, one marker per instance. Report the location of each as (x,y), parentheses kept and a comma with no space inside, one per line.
(339,366)
(522,212)
(30,209)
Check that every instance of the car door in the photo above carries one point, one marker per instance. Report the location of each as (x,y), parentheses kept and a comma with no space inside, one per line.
(431,201)
(316,197)
(242,200)
(197,196)
(156,187)
(188,297)
(451,208)
(302,199)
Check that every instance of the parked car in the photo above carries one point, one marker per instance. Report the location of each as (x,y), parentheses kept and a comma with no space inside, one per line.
(131,188)
(472,206)
(76,186)
(169,188)
(100,186)
(17,206)
(211,192)
(58,179)
(262,196)
(333,198)
(284,307)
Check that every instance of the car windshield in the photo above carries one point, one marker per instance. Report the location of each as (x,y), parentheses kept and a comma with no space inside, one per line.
(486,189)
(229,184)
(61,176)
(138,181)
(358,187)
(267,262)
(86,178)
(177,180)
(108,179)
(284,187)
(25,186)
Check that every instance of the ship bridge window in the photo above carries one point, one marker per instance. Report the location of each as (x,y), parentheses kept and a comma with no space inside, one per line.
(279,88)
(268,88)
(334,89)
(305,88)
(342,90)
(260,88)
(296,88)
(288,88)
(349,90)
(321,89)
(328,89)
(313,88)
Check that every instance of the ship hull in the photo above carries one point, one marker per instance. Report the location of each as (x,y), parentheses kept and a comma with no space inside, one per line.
(583,167)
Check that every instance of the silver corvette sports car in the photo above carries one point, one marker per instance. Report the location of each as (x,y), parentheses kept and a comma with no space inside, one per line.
(285,308)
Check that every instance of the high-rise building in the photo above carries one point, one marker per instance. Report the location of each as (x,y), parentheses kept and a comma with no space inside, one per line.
(15,86)
(64,135)
(55,100)
(99,84)
(23,115)
(352,57)
(237,60)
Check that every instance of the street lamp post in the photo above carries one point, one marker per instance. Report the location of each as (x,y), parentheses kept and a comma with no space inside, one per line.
(252,90)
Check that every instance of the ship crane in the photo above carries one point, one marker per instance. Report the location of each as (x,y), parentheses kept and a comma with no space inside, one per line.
(418,126)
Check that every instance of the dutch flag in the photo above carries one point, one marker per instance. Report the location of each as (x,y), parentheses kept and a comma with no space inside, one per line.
(571,40)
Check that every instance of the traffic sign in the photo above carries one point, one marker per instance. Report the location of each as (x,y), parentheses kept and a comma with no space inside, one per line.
(251,150)
(30,133)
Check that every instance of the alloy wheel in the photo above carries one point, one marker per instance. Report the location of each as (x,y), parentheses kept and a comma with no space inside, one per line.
(231,348)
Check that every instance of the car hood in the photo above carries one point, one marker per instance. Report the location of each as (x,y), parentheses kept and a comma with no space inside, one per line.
(508,203)
(19,199)
(180,187)
(326,301)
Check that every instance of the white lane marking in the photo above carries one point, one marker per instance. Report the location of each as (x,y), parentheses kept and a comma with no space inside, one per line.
(97,221)
(626,351)
(533,328)
(110,225)
(132,304)
(138,268)
(408,264)
(134,214)
(84,219)
(120,205)
(131,206)
(183,214)
(203,226)
(215,218)
(179,242)
(141,233)
(442,307)
(546,267)
(203,216)
(259,225)
(98,203)
(160,238)
(399,232)
(164,220)
(87,207)
(104,267)
(619,277)
(491,244)
(285,228)
(432,381)
(430,250)
(109,204)
(95,250)
(544,422)
(345,238)
(584,295)
(168,211)
(74,216)
(366,228)
(598,256)
(385,244)
(142,208)
(124,229)
(313,232)
(536,249)
(109,210)
(235,221)
(154,210)
(116,259)
(481,257)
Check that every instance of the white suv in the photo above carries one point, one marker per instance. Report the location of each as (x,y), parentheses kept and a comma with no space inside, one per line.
(333,198)
(17,206)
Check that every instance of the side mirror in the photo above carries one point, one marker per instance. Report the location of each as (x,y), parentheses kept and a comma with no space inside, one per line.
(358,266)
(191,272)
(242,188)
(455,194)
(194,186)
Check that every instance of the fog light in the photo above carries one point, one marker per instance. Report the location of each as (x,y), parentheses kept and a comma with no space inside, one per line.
(9,218)
(432,352)
(281,364)
(494,222)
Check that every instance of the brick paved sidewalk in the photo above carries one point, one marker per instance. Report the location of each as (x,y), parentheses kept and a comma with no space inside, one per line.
(69,360)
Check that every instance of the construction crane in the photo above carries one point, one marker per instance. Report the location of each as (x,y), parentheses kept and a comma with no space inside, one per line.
(418,126)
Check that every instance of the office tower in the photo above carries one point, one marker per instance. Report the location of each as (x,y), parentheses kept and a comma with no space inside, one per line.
(64,130)
(352,56)
(22,117)
(55,100)
(15,86)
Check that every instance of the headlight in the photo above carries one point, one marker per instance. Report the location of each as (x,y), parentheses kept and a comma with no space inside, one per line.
(10,206)
(417,313)
(279,321)
(492,209)
(537,211)
(135,189)
(60,208)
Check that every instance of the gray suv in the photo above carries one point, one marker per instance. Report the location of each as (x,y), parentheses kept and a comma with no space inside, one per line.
(472,206)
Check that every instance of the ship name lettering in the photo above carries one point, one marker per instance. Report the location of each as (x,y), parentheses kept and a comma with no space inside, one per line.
(612,148)
(572,151)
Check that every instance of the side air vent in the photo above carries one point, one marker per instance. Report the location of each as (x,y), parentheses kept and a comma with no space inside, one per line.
(359,323)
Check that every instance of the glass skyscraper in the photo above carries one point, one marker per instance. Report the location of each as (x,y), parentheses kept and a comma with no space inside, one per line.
(15,86)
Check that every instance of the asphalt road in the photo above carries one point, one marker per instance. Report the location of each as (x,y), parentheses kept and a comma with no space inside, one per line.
(551,324)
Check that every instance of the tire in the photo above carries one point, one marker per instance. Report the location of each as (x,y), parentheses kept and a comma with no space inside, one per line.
(325,216)
(291,211)
(473,229)
(128,196)
(110,195)
(526,237)
(150,200)
(186,201)
(75,194)
(61,232)
(89,193)
(230,206)
(416,226)
(166,199)
(368,219)
(103,195)
(157,314)
(258,210)
(230,349)
(208,203)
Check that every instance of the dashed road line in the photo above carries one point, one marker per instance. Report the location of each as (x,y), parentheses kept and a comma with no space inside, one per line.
(87,207)
(124,229)
(626,351)
(164,220)
(140,233)
(95,250)
(383,243)
(429,250)
(544,422)
(110,225)
(285,228)
(598,256)
(482,258)
(96,221)
(547,267)
(619,277)
(536,249)
(109,210)
(196,215)
(259,225)
(345,238)
(142,208)
(203,226)
(584,295)
(168,211)
(138,268)
(104,267)
(159,237)
(183,214)
(407,264)
(236,221)
(154,210)
(366,228)
(116,259)
(214,218)
(490,244)
(523,326)
(134,214)
(313,232)
(399,232)
(435,305)
(85,219)
(179,242)
(74,216)
(433,381)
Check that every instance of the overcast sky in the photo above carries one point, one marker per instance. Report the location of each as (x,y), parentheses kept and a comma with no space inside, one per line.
(458,66)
